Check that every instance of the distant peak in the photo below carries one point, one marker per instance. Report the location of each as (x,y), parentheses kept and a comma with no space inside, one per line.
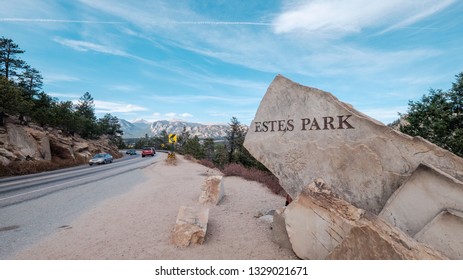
(140,121)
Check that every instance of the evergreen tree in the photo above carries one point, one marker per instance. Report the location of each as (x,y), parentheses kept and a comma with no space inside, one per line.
(209,149)
(193,147)
(85,107)
(11,100)
(235,138)
(85,116)
(109,125)
(9,60)
(438,117)
(31,81)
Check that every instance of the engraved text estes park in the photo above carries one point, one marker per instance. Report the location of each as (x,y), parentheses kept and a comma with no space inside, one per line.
(305,124)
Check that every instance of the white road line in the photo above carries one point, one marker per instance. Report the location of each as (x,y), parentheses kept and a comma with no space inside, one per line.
(50,187)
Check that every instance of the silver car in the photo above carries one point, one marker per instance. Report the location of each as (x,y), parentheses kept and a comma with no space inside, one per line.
(101,158)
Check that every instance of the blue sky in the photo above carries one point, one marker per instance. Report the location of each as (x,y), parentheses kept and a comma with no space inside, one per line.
(206,61)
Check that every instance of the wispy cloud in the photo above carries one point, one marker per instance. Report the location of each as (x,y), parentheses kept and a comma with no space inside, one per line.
(103,107)
(124,88)
(85,46)
(339,17)
(188,99)
(47,20)
(385,115)
(220,23)
(68,96)
(50,78)
(177,115)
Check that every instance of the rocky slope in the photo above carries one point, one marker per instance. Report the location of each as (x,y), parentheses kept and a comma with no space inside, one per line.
(33,143)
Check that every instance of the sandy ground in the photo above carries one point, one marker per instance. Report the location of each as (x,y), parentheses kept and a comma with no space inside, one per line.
(137,225)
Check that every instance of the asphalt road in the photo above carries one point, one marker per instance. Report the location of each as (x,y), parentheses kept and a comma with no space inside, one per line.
(33,206)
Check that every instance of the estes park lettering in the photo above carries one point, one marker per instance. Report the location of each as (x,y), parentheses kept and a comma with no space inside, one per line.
(304,124)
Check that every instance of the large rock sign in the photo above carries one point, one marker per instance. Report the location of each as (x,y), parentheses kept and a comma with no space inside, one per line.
(301,134)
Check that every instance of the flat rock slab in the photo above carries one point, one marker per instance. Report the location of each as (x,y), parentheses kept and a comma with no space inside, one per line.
(421,198)
(212,190)
(191,226)
(301,134)
(445,233)
(323,226)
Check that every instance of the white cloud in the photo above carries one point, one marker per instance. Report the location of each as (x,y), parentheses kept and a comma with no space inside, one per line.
(85,46)
(65,95)
(385,115)
(178,116)
(54,77)
(341,17)
(125,88)
(104,107)
(47,20)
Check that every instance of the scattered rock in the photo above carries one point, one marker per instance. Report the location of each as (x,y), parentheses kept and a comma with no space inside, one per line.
(212,190)
(264,212)
(279,232)
(268,219)
(191,226)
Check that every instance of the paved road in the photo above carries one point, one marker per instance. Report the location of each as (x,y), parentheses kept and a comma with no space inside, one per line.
(33,206)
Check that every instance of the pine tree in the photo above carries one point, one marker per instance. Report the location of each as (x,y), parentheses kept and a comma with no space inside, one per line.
(9,61)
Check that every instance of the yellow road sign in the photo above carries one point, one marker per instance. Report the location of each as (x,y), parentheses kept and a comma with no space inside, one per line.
(172,138)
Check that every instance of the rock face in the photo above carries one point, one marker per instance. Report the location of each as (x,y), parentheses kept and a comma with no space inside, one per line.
(191,226)
(212,191)
(361,190)
(424,196)
(445,233)
(301,134)
(322,226)
(31,142)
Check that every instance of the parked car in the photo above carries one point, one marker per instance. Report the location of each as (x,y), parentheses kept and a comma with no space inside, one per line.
(101,159)
(147,151)
(131,152)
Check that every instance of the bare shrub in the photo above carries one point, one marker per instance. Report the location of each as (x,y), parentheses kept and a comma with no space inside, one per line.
(207,163)
(253,174)
(36,166)
(189,157)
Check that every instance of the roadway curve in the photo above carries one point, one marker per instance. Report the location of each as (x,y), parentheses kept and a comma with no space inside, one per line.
(33,206)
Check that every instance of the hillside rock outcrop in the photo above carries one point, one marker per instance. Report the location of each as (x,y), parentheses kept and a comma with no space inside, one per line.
(30,142)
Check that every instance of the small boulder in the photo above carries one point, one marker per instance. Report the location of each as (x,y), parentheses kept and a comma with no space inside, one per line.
(191,226)
(212,190)
(279,232)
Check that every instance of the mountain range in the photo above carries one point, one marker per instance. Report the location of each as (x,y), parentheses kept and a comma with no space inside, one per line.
(140,128)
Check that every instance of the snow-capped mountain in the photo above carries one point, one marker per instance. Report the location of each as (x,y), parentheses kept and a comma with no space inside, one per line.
(140,127)
(134,130)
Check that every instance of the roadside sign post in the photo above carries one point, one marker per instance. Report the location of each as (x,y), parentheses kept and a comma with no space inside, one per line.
(173,140)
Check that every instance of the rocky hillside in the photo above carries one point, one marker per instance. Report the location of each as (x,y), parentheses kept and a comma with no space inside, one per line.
(140,128)
(33,143)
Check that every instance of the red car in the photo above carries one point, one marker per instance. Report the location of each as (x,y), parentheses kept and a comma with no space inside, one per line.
(148,152)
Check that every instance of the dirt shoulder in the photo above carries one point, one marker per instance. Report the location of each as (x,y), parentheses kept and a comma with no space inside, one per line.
(137,225)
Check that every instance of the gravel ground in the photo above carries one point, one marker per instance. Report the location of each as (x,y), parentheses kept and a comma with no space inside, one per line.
(137,224)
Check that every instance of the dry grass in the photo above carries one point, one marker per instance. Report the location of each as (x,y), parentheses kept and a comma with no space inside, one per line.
(253,174)
(207,163)
(35,166)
